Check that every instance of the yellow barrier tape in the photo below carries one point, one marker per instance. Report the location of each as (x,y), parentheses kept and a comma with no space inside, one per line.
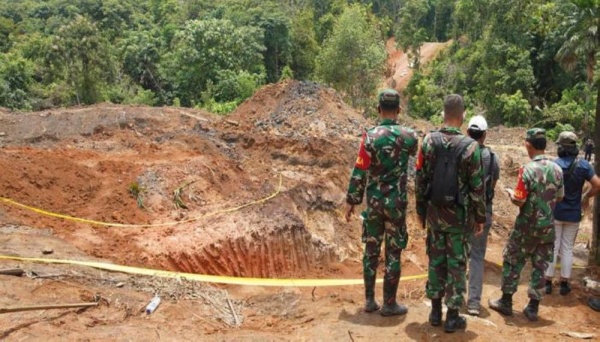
(207,278)
(122,225)
(557,266)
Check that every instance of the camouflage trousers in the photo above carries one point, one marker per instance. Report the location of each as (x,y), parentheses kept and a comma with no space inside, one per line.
(377,227)
(516,253)
(448,255)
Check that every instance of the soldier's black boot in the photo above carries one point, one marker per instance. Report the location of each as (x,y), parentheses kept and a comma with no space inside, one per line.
(565,287)
(435,316)
(502,305)
(390,306)
(454,321)
(371,304)
(531,310)
(548,286)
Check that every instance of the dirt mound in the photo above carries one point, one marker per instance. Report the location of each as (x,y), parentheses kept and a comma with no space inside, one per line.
(84,162)
(299,109)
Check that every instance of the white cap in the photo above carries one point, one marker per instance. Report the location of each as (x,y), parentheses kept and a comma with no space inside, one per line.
(478,122)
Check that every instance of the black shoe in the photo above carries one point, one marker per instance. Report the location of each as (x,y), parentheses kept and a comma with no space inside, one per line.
(435,317)
(548,286)
(594,303)
(502,305)
(531,310)
(565,288)
(371,305)
(454,321)
(393,310)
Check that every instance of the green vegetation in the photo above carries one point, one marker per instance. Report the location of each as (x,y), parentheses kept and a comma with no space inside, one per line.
(518,62)
(194,53)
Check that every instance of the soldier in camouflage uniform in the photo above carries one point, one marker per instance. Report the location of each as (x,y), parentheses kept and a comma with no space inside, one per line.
(450,227)
(381,169)
(539,187)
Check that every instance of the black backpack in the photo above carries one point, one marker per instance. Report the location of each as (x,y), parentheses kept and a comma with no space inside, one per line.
(443,186)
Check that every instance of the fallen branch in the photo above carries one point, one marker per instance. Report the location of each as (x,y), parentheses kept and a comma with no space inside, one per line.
(231,122)
(584,336)
(12,271)
(46,307)
(235,316)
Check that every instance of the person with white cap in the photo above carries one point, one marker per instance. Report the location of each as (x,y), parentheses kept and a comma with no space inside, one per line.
(477,130)
(568,213)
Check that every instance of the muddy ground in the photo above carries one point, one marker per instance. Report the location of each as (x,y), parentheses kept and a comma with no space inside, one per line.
(126,164)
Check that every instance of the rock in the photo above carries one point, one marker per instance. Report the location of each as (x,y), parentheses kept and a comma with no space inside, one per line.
(47,250)
(2,134)
(121,284)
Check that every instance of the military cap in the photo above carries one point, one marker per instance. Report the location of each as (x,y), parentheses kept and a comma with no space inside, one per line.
(535,133)
(567,138)
(389,98)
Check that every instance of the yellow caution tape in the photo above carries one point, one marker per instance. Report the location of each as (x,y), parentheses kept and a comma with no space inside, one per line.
(557,266)
(121,225)
(207,278)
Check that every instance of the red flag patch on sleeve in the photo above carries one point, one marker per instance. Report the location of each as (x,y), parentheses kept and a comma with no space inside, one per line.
(419,163)
(520,190)
(363,161)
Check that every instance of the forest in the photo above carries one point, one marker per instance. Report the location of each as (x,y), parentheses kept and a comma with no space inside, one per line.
(519,62)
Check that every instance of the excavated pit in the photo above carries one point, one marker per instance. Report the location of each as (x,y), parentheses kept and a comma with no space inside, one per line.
(285,251)
(83,162)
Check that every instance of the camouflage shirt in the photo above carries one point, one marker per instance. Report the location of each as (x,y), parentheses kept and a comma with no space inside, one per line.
(539,185)
(383,160)
(470,181)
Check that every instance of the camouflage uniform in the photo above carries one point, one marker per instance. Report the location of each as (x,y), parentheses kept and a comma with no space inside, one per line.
(539,184)
(381,169)
(448,233)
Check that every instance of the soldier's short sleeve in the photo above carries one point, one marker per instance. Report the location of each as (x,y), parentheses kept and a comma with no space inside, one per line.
(358,179)
(589,170)
(422,176)
(522,188)
(363,160)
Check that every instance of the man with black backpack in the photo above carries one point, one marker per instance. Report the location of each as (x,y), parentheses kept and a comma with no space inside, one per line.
(477,130)
(450,196)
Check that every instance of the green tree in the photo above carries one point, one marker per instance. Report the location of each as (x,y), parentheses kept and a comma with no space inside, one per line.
(352,59)
(81,54)
(411,33)
(140,55)
(304,45)
(16,79)
(204,49)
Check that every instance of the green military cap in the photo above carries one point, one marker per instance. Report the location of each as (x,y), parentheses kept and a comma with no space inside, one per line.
(389,98)
(535,133)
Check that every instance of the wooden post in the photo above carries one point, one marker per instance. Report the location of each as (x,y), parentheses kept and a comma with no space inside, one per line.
(46,307)
(12,271)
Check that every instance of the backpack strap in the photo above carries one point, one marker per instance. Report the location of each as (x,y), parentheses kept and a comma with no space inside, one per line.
(462,145)
(489,193)
(572,167)
(492,160)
